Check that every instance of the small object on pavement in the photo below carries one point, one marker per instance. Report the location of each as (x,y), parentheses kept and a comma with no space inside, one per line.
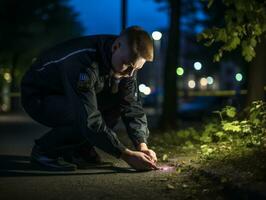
(166,168)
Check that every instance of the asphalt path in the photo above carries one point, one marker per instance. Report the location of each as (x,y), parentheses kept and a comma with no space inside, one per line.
(20,180)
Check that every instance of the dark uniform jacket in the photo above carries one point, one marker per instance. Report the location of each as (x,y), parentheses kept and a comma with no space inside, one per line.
(80,70)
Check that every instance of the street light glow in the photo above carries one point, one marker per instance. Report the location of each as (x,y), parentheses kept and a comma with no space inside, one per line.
(210,80)
(179,71)
(156,35)
(239,77)
(7,77)
(191,84)
(203,81)
(147,91)
(144,89)
(197,66)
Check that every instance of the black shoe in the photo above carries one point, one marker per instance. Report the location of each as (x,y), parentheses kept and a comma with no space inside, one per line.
(84,158)
(45,162)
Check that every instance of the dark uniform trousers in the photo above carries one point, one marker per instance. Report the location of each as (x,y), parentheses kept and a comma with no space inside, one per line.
(55,112)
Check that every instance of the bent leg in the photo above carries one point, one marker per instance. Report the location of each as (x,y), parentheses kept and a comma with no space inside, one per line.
(51,111)
(54,111)
(59,140)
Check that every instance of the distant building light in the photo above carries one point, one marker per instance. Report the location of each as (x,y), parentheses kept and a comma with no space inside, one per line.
(156,35)
(7,77)
(203,82)
(239,77)
(191,84)
(210,80)
(197,66)
(179,71)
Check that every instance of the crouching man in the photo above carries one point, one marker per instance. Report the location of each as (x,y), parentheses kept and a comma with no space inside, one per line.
(80,88)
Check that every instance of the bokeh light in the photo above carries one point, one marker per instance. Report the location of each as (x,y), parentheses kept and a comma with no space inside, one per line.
(203,82)
(210,80)
(7,77)
(179,71)
(144,89)
(147,91)
(239,77)
(156,35)
(197,66)
(191,84)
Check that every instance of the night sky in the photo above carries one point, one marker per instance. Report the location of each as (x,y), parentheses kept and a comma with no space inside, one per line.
(103,16)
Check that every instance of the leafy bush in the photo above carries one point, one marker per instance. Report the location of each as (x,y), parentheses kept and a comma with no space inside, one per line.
(230,131)
(233,132)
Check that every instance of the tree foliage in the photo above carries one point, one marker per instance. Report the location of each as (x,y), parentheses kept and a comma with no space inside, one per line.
(28,27)
(245,24)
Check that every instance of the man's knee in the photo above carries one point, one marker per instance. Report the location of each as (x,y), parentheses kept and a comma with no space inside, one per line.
(52,111)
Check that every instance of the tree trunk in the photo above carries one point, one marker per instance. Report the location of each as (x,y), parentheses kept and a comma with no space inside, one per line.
(169,112)
(257,74)
(123,14)
(14,106)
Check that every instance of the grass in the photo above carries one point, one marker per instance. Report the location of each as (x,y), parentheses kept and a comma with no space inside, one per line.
(222,159)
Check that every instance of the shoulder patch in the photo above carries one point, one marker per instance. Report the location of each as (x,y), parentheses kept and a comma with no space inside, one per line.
(85,82)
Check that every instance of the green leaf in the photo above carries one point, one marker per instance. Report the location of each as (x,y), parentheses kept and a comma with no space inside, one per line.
(216,58)
(220,134)
(189,144)
(248,51)
(165,157)
(221,35)
(209,43)
(171,187)
(231,126)
(231,112)
(210,3)
(253,42)
(257,29)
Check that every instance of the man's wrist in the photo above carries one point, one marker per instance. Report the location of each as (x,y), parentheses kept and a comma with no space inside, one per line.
(125,154)
(142,146)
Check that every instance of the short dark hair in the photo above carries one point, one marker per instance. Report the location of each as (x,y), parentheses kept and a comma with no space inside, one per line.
(139,41)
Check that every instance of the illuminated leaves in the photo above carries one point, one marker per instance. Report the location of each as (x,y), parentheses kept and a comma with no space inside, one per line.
(248,49)
(206,150)
(233,126)
(246,132)
(220,136)
(230,111)
(257,113)
(170,187)
(244,24)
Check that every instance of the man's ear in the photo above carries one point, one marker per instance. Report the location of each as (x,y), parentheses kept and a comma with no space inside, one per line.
(116,45)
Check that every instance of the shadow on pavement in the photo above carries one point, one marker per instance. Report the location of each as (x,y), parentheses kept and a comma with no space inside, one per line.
(15,165)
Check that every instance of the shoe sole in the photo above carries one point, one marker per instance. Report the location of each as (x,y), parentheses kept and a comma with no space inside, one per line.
(90,165)
(46,167)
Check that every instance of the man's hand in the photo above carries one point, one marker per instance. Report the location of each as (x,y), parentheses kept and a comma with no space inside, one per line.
(144,148)
(138,160)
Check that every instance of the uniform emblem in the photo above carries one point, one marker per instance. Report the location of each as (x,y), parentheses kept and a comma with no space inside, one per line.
(83,84)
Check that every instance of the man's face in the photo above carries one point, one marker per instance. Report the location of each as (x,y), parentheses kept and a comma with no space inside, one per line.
(123,66)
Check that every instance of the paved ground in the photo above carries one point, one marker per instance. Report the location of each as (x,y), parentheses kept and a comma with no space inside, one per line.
(19,180)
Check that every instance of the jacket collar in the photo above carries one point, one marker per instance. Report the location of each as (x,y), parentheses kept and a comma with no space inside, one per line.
(106,54)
